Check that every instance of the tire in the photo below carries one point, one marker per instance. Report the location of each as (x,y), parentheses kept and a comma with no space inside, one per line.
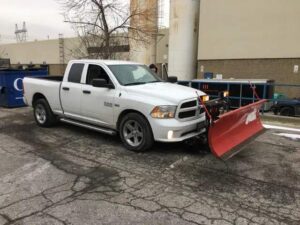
(275,110)
(43,114)
(136,133)
(287,111)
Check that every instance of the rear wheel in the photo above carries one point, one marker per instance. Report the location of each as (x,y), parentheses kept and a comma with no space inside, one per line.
(136,132)
(43,114)
(287,111)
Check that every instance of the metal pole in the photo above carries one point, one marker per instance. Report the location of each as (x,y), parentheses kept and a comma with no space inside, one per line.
(241,89)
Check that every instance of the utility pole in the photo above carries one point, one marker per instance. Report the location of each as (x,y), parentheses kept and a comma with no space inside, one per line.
(21,34)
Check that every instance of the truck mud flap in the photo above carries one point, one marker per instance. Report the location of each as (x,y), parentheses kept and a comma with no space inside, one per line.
(231,131)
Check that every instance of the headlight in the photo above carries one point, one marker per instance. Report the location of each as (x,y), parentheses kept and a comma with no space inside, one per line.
(163,112)
(225,94)
(205,98)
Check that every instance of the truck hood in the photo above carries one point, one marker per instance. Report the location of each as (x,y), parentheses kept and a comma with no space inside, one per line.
(172,93)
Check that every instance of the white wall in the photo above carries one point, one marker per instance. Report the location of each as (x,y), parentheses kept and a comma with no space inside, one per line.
(36,52)
(39,51)
(237,29)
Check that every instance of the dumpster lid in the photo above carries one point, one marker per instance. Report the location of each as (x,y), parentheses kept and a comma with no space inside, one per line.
(9,69)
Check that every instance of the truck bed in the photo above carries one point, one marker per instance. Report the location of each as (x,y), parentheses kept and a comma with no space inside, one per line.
(50,78)
(48,86)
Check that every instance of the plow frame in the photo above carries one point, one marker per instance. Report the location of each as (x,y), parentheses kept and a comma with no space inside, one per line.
(244,140)
(245,115)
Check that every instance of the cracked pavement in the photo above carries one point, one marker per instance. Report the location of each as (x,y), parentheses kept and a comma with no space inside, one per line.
(69,175)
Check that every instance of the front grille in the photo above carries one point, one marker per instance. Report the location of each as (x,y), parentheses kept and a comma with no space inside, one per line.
(189,104)
(187,114)
(189,110)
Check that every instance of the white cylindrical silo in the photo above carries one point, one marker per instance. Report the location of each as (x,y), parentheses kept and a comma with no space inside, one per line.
(183,38)
(144,51)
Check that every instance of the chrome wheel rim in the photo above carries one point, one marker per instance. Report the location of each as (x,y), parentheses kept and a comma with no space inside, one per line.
(133,133)
(40,114)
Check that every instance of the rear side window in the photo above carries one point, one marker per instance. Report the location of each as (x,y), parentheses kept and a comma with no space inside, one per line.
(75,73)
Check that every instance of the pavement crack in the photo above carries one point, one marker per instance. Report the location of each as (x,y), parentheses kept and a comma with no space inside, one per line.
(6,217)
(57,219)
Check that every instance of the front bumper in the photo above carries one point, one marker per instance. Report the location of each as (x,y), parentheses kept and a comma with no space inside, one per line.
(181,130)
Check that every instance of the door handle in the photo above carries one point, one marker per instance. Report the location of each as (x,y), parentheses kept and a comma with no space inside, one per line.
(66,88)
(86,92)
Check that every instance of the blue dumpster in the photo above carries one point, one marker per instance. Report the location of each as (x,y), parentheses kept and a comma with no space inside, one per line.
(11,88)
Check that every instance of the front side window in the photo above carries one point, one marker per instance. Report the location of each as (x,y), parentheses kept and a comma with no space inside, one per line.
(133,74)
(96,72)
(75,73)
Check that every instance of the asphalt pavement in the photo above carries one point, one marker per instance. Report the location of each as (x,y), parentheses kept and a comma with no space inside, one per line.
(70,175)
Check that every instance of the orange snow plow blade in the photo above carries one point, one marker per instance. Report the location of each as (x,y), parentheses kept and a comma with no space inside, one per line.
(231,131)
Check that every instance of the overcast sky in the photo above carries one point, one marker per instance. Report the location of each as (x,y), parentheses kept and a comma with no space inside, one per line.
(42,17)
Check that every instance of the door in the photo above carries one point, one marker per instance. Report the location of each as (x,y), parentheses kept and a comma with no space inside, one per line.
(97,104)
(70,92)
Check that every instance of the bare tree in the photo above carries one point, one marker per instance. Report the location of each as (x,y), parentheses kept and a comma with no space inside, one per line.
(104,24)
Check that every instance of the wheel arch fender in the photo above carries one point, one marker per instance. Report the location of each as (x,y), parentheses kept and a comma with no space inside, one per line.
(127,111)
(38,96)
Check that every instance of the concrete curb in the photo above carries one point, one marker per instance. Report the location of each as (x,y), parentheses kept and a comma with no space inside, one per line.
(293,122)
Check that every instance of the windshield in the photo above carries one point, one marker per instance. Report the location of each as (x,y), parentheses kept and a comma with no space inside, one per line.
(133,74)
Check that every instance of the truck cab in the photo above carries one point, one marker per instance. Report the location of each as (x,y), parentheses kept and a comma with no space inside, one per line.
(118,97)
(84,97)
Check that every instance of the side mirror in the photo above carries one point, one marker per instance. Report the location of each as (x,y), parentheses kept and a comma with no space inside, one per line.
(102,83)
(172,79)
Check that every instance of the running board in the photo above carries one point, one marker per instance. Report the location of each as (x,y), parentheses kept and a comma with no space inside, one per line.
(88,126)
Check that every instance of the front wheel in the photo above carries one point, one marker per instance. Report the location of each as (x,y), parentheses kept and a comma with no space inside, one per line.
(136,133)
(287,111)
(43,114)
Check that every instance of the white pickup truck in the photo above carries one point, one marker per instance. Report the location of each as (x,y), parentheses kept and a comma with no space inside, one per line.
(117,97)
